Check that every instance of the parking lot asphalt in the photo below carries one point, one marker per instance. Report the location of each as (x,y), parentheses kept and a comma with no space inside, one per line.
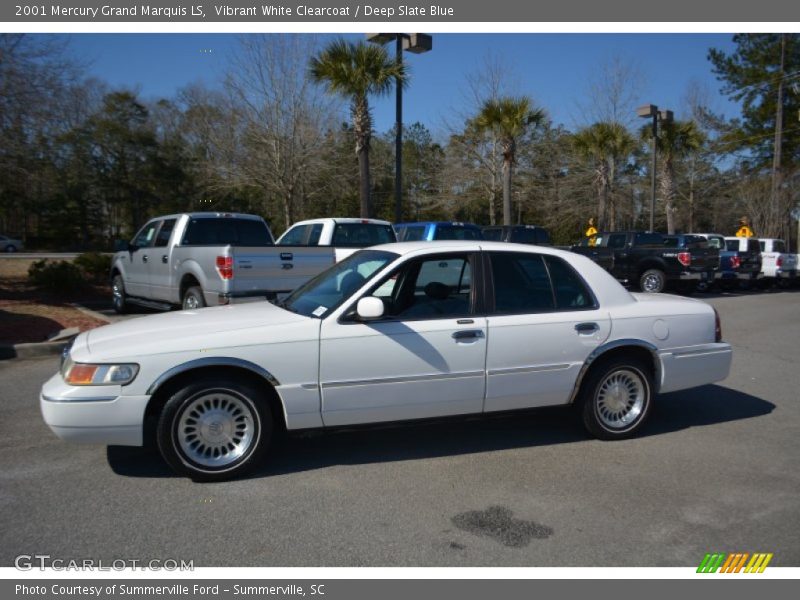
(716,469)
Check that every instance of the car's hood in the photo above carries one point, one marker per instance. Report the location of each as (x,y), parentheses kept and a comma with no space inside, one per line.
(186,329)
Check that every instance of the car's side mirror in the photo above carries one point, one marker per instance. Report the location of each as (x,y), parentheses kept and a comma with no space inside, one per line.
(369,308)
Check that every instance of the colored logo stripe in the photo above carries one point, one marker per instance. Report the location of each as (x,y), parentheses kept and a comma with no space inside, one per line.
(734,562)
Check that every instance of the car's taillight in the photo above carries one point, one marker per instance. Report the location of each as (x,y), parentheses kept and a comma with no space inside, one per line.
(779,261)
(225,266)
(685,258)
(717,327)
(736,262)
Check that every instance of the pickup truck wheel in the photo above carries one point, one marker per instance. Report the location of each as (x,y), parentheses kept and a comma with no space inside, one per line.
(118,295)
(214,429)
(193,298)
(617,396)
(653,281)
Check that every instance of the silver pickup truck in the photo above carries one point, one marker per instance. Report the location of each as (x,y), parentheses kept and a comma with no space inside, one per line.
(194,260)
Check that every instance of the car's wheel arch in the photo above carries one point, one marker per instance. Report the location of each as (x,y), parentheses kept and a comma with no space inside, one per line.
(172,380)
(650,263)
(633,348)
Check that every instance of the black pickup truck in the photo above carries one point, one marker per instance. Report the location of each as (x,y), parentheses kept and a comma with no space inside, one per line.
(519,234)
(652,262)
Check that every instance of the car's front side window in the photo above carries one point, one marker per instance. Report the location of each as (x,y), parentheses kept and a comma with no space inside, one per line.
(434,287)
(146,234)
(325,292)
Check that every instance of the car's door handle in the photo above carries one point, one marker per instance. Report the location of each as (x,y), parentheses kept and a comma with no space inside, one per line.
(144,257)
(587,327)
(164,258)
(467,334)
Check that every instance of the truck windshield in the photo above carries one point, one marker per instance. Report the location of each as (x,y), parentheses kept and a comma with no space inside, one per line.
(326,291)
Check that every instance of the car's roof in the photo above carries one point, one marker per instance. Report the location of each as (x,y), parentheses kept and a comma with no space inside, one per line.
(210,215)
(342,220)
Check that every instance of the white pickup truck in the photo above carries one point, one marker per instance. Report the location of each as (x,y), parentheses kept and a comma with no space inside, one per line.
(194,260)
(776,262)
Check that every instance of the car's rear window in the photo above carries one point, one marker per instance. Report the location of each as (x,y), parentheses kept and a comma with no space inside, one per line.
(361,235)
(213,231)
(455,232)
(778,246)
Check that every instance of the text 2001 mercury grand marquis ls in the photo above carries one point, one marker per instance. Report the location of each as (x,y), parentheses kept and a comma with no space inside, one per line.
(394,332)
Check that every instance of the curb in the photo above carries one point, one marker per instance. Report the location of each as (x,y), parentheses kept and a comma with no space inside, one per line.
(39,349)
(31,350)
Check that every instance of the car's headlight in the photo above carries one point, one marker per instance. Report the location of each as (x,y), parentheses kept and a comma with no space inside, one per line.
(92,374)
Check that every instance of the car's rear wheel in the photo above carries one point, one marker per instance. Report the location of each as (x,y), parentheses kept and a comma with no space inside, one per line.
(617,396)
(652,281)
(118,295)
(11,248)
(215,429)
(193,299)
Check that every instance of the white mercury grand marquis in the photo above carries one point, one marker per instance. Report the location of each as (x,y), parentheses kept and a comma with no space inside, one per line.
(394,332)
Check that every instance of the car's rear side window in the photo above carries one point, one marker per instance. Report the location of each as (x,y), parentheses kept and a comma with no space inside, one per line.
(778,246)
(162,238)
(648,239)
(570,290)
(223,231)
(521,283)
(525,236)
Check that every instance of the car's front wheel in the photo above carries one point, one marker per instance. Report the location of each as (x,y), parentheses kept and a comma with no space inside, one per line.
(11,248)
(215,429)
(617,397)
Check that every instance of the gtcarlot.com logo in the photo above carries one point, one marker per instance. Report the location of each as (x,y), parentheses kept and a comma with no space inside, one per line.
(29,562)
(734,562)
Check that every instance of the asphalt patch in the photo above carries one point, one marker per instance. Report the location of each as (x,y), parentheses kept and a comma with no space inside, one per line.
(498,523)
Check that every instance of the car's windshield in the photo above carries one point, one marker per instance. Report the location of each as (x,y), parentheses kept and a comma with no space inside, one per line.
(316,298)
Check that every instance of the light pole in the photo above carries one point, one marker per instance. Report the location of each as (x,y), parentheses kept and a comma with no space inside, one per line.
(650,111)
(417,43)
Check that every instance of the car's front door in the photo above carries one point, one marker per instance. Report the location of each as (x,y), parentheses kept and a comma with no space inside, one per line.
(543,324)
(425,358)
(137,271)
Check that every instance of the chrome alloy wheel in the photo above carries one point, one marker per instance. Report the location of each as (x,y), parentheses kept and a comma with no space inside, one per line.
(190,302)
(651,283)
(117,291)
(216,428)
(620,398)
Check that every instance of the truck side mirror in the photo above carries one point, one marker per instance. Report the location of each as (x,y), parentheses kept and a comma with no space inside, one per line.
(369,308)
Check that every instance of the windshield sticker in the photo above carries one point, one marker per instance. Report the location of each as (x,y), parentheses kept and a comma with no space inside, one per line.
(319,311)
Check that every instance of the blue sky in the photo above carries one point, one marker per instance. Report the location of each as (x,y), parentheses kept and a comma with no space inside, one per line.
(553,68)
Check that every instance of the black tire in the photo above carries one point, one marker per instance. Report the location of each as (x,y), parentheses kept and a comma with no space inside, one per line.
(118,298)
(652,281)
(215,411)
(597,398)
(193,299)
(11,248)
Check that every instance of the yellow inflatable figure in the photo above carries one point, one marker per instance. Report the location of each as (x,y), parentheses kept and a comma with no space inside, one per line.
(744,228)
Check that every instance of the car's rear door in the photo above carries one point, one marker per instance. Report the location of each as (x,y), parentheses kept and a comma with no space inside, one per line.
(543,322)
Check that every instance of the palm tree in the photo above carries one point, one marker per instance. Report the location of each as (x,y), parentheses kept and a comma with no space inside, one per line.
(676,140)
(605,144)
(356,71)
(509,118)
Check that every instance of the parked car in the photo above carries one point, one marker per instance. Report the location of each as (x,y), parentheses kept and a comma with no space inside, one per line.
(777,265)
(645,260)
(8,244)
(195,260)
(439,230)
(706,252)
(518,234)
(392,333)
(734,271)
(346,235)
(749,252)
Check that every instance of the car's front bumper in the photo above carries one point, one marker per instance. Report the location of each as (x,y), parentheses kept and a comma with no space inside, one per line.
(93,414)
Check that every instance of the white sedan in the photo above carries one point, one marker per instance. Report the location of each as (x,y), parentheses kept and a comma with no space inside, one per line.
(395,332)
